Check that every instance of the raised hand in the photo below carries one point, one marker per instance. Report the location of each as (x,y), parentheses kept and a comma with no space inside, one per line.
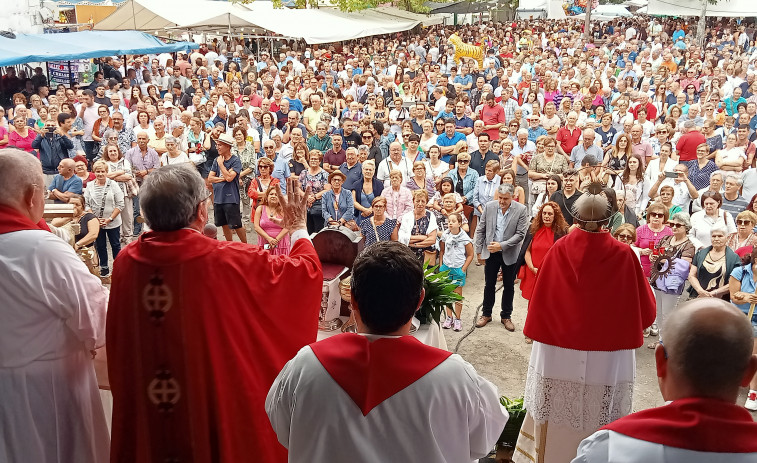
(294,205)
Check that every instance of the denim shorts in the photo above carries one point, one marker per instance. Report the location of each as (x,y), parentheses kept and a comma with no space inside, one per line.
(456,274)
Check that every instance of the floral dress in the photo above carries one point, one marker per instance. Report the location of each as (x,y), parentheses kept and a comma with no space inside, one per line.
(316,183)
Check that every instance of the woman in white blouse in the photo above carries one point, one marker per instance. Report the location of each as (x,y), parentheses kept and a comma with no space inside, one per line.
(711,217)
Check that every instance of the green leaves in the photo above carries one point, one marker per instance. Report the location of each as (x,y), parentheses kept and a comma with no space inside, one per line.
(513,407)
(440,293)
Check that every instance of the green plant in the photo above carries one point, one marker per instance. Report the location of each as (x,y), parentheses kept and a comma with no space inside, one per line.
(440,293)
(517,414)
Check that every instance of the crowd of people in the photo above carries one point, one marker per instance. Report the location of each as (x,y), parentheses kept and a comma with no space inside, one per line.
(392,138)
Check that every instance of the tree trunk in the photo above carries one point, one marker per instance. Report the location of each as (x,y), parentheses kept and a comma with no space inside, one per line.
(702,23)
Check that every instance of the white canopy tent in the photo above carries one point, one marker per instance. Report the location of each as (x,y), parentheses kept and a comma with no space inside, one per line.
(730,8)
(152,15)
(550,9)
(323,25)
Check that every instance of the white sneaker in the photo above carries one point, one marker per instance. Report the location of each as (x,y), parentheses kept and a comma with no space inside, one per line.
(458,325)
(447,323)
(751,401)
(654,330)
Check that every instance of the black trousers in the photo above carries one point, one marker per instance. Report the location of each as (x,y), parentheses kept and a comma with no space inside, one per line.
(315,222)
(491,268)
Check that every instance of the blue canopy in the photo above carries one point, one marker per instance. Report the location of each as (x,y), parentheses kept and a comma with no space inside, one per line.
(80,45)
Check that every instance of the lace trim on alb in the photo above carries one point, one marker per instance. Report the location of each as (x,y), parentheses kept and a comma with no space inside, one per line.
(574,404)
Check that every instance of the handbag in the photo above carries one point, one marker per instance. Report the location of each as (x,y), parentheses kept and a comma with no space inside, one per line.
(538,187)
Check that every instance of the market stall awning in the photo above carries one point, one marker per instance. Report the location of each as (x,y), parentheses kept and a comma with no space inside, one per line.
(393,12)
(463,7)
(731,8)
(80,45)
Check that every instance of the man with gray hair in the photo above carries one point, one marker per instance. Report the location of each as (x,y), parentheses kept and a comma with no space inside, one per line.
(733,202)
(499,236)
(53,313)
(587,147)
(203,356)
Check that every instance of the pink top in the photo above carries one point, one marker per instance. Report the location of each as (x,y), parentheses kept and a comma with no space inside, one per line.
(25,144)
(647,239)
(273,230)
(397,202)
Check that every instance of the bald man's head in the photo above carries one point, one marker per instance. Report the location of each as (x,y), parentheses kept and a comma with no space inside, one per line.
(707,352)
(21,183)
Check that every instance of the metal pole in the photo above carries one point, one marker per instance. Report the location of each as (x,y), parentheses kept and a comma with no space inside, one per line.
(587,22)
(70,75)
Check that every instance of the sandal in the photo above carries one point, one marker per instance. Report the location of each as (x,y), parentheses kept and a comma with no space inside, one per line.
(529,340)
(652,345)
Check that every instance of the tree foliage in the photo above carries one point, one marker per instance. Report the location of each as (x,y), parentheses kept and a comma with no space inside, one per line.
(416,6)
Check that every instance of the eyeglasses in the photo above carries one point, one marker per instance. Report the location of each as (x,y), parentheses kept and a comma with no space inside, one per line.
(625,237)
(743,222)
(656,215)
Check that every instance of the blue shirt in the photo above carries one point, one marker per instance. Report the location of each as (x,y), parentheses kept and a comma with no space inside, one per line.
(354,176)
(294,104)
(227,192)
(444,140)
(465,80)
(281,171)
(744,274)
(73,184)
(499,232)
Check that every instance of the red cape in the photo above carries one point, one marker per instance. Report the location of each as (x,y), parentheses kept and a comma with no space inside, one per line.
(370,372)
(12,221)
(197,331)
(702,425)
(590,295)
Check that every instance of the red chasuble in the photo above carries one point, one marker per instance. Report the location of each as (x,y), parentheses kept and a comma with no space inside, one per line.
(371,372)
(698,424)
(590,295)
(197,331)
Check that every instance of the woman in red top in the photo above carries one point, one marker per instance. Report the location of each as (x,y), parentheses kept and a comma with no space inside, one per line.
(547,227)
(80,170)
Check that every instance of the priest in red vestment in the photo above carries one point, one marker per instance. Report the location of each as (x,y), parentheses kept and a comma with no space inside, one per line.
(197,329)
(706,358)
(381,395)
(589,307)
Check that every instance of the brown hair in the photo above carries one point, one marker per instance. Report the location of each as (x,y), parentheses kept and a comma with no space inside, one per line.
(559,225)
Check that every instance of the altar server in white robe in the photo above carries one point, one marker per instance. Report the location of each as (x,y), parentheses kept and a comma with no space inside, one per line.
(381,395)
(706,357)
(52,314)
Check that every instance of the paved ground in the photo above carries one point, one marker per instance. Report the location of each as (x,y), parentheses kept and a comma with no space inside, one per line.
(502,356)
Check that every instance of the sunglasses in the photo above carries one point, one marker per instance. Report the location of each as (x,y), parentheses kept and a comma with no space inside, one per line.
(463,162)
(656,215)
(743,222)
(675,225)
(625,237)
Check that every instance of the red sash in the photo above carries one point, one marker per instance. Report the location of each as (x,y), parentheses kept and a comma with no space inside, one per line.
(11,221)
(699,424)
(371,372)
